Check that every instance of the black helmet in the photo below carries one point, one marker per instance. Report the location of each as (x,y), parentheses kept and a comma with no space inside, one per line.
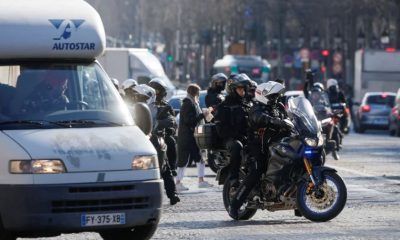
(251,89)
(235,81)
(161,88)
(217,79)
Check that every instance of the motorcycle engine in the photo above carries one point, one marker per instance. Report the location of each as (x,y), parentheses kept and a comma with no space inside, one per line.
(268,190)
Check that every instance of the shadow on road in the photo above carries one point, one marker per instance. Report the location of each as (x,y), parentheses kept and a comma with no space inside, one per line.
(228,223)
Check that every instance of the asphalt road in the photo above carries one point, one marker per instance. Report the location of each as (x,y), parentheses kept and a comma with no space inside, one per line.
(370,166)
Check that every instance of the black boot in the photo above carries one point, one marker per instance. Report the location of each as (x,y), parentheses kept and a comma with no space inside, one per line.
(174,200)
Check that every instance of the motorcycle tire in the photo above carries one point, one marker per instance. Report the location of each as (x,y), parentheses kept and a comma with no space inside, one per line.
(244,213)
(334,201)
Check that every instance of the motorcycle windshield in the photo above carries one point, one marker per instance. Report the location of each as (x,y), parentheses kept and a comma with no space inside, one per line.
(303,115)
(320,102)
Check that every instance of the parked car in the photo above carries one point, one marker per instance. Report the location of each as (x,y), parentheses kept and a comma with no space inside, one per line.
(176,101)
(373,111)
(394,119)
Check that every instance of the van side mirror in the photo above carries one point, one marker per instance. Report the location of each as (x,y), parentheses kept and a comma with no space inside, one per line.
(143,119)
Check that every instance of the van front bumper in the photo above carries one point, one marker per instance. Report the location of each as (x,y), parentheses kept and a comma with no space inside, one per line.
(59,208)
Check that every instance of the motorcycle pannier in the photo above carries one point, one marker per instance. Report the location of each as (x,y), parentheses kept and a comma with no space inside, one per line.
(207,137)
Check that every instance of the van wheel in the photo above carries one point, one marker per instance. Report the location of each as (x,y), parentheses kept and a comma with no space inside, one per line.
(144,232)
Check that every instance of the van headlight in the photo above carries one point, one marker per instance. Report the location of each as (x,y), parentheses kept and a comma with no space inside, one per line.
(311,142)
(144,162)
(40,166)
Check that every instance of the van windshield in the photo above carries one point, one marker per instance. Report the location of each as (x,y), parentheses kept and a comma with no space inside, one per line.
(49,95)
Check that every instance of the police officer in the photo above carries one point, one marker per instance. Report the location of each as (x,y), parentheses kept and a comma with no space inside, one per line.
(166,120)
(231,121)
(250,91)
(266,125)
(337,96)
(129,93)
(143,94)
(214,93)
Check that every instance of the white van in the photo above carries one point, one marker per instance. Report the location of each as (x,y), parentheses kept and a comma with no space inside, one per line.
(137,63)
(71,157)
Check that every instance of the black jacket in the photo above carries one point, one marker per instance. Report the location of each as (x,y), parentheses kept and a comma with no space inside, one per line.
(165,118)
(232,119)
(213,98)
(265,119)
(189,119)
(336,96)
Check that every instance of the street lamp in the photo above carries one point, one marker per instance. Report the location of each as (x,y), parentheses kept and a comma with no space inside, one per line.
(315,39)
(360,39)
(385,37)
(337,39)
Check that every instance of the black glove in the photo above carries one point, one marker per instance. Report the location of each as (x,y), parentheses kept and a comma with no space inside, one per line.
(174,173)
(281,123)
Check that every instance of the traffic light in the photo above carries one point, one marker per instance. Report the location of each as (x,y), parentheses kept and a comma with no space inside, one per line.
(170,58)
(325,53)
(325,56)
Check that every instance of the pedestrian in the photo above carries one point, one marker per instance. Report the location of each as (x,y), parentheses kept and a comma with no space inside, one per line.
(143,94)
(191,116)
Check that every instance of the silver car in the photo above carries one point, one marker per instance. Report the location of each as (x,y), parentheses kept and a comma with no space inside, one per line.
(374,111)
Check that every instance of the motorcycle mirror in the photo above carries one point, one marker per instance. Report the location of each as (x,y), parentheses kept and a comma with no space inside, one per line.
(143,118)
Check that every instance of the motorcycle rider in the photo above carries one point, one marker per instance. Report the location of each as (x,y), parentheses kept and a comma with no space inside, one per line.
(266,123)
(337,96)
(128,87)
(140,93)
(319,98)
(166,120)
(251,91)
(214,93)
(232,119)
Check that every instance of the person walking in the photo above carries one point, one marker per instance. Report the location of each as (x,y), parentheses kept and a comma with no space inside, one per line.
(191,116)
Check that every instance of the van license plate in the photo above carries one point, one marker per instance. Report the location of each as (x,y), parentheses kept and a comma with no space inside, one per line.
(102,219)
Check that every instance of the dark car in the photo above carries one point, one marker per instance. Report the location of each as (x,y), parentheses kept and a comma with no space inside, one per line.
(394,119)
(374,111)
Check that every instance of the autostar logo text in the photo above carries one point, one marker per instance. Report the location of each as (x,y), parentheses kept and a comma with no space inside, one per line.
(64,35)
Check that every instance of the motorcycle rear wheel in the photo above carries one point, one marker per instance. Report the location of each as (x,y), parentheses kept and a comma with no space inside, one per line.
(227,194)
(325,204)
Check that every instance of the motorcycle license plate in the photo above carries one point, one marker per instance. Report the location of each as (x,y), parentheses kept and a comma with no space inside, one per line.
(102,219)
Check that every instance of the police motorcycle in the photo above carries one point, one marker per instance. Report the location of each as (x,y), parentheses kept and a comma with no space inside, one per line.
(323,110)
(295,178)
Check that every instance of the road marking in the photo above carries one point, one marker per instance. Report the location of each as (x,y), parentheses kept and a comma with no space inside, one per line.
(365,174)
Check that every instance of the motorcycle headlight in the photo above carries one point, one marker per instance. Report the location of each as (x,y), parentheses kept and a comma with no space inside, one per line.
(41,166)
(144,162)
(311,142)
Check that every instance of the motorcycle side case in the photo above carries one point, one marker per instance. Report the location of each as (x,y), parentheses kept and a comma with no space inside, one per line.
(206,137)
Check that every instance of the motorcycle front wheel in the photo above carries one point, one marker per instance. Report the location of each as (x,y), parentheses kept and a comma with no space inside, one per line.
(324,203)
(228,194)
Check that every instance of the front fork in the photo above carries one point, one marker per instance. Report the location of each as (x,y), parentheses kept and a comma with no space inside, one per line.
(309,168)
